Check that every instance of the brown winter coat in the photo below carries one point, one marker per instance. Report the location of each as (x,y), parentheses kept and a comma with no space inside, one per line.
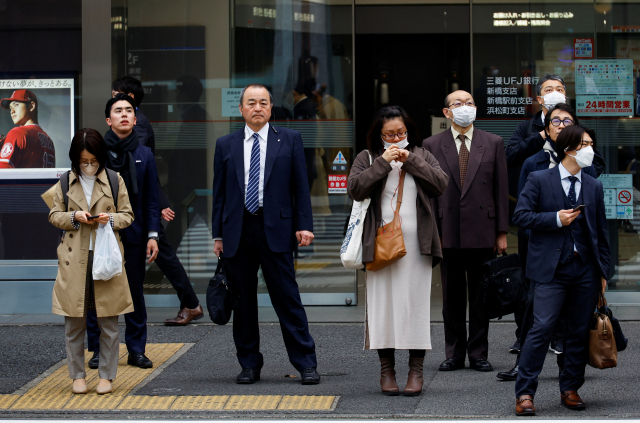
(369,181)
(113,296)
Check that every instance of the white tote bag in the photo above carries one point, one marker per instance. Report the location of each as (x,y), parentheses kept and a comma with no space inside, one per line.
(107,259)
(351,250)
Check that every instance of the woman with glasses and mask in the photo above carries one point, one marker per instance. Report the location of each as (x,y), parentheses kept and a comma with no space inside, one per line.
(568,263)
(398,296)
(90,202)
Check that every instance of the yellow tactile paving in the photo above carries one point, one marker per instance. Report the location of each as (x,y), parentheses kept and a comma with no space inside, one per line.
(93,401)
(7,400)
(310,266)
(41,402)
(253,402)
(215,402)
(304,402)
(146,403)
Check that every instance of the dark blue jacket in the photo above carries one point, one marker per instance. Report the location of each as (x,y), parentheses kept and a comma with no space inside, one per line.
(540,200)
(147,137)
(286,199)
(146,208)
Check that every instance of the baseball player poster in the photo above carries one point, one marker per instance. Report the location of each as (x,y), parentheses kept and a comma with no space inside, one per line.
(36,123)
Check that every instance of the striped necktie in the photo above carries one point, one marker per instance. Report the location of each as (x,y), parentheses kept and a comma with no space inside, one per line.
(463,156)
(253,187)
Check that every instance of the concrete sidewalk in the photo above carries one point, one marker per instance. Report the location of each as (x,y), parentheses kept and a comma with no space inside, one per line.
(350,375)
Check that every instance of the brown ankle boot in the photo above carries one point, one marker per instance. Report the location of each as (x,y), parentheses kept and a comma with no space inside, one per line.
(388,377)
(414,382)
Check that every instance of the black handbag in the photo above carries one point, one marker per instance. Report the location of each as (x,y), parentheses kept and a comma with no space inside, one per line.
(621,340)
(503,289)
(220,297)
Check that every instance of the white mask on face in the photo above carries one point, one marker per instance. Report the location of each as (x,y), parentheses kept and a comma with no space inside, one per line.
(89,169)
(400,144)
(463,115)
(551,99)
(584,157)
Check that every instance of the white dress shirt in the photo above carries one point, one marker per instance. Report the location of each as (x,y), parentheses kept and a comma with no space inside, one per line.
(467,138)
(248,145)
(566,186)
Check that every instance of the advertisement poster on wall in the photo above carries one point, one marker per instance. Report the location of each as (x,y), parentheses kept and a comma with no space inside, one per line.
(604,87)
(36,123)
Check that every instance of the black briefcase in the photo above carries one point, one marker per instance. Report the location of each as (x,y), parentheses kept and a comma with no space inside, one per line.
(503,289)
(220,297)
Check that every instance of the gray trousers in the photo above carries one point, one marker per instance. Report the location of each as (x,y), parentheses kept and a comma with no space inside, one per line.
(74,330)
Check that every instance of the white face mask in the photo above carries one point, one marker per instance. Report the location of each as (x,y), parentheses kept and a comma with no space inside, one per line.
(89,169)
(464,115)
(584,157)
(551,99)
(400,144)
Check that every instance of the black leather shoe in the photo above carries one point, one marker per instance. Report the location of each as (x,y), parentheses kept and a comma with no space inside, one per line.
(310,376)
(94,362)
(248,376)
(139,360)
(480,365)
(515,348)
(451,364)
(509,375)
(556,347)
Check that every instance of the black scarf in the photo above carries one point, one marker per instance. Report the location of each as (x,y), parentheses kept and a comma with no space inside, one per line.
(123,161)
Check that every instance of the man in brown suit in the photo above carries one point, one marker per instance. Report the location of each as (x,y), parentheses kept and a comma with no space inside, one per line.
(472,217)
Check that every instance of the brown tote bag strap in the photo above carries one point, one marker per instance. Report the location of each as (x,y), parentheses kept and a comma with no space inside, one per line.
(396,215)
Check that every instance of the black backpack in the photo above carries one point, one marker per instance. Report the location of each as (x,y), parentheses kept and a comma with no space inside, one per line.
(113,184)
(503,289)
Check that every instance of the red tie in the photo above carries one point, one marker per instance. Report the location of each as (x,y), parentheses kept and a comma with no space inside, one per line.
(464,159)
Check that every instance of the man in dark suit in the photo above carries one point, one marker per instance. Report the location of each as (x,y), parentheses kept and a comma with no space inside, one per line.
(137,166)
(472,217)
(568,263)
(167,261)
(261,205)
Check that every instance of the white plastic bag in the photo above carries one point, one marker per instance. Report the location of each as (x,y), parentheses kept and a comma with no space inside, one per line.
(107,259)
(351,250)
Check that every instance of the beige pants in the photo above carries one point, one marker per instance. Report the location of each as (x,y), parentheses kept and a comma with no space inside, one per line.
(74,331)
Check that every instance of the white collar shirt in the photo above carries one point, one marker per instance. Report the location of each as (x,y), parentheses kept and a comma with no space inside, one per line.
(467,138)
(566,186)
(263,133)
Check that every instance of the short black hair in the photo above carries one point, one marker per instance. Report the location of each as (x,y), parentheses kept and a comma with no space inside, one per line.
(129,85)
(564,107)
(385,114)
(255,86)
(548,77)
(90,140)
(114,100)
(569,139)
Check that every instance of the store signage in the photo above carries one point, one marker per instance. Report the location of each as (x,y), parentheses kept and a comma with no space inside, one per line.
(337,184)
(583,48)
(503,97)
(230,102)
(528,18)
(604,87)
(618,195)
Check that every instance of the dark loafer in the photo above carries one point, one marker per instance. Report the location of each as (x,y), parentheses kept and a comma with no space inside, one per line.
(524,406)
(572,400)
(139,360)
(451,364)
(480,365)
(248,376)
(185,316)
(310,376)
(515,348)
(509,375)
(94,362)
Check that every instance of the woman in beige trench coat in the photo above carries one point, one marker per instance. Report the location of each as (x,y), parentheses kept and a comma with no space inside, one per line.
(75,291)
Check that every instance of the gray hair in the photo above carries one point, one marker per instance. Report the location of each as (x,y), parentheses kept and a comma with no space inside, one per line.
(548,77)
(258,86)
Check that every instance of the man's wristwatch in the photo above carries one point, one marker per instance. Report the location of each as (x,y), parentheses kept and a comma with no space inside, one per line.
(155,238)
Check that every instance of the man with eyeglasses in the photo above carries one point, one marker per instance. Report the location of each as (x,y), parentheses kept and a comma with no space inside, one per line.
(472,218)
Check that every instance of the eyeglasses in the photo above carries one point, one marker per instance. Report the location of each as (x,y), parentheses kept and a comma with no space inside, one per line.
(391,137)
(460,104)
(557,122)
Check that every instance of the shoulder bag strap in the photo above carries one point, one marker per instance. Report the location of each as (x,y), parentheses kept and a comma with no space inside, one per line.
(64,184)
(114,184)
(397,220)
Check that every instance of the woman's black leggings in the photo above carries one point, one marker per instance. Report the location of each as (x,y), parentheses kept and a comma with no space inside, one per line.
(390,353)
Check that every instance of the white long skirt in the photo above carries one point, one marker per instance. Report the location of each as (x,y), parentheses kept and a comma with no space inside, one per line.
(398,297)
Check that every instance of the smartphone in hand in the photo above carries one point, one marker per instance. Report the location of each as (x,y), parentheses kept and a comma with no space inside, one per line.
(92,217)
(579,208)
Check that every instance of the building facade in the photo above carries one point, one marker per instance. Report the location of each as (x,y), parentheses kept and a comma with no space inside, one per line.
(329,64)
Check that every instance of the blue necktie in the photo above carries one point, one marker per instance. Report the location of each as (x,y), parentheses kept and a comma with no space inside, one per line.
(572,191)
(253,187)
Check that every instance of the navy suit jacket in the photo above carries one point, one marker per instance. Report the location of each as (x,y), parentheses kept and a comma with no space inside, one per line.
(146,208)
(286,199)
(540,200)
